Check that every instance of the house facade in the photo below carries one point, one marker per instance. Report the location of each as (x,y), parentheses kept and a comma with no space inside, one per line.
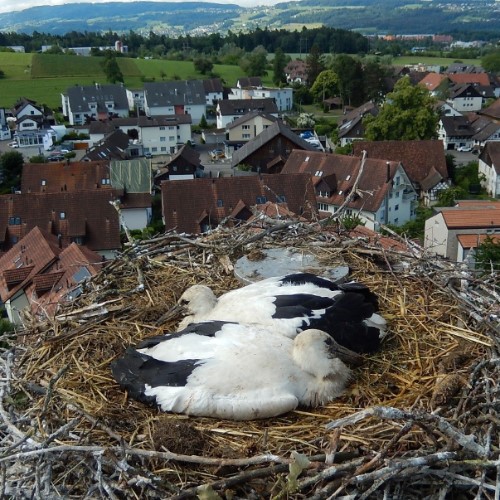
(455,132)
(489,168)
(229,110)
(465,98)
(384,193)
(282,96)
(351,124)
(469,218)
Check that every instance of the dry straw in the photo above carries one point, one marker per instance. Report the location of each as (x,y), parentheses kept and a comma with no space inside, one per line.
(419,418)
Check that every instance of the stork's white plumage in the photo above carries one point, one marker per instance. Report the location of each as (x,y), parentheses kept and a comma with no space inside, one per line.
(234,371)
(292,303)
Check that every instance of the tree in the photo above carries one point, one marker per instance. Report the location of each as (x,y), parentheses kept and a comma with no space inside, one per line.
(111,69)
(488,254)
(407,114)
(314,64)
(448,197)
(11,166)
(279,63)
(306,120)
(374,81)
(255,63)
(350,79)
(491,61)
(203,65)
(325,85)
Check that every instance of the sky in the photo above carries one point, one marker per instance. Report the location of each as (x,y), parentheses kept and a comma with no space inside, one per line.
(13,5)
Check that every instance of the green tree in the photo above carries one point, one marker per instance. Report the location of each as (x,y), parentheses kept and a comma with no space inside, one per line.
(314,63)
(491,61)
(448,197)
(374,81)
(488,254)
(407,114)
(279,63)
(350,79)
(111,69)
(203,65)
(203,122)
(306,120)
(11,166)
(325,85)
(255,63)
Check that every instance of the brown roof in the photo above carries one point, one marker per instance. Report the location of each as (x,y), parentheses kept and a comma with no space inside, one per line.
(432,81)
(419,158)
(478,218)
(474,240)
(57,177)
(475,78)
(84,214)
(491,155)
(493,110)
(340,172)
(186,203)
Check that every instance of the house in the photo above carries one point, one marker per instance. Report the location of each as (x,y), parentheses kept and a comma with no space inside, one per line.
(489,168)
(82,104)
(351,124)
(424,163)
(245,128)
(136,100)
(185,164)
(436,83)
(474,78)
(114,146)
(492,111)
(177,97)
(384,193)
(36,275)
(27,107)
(465,98)
(196,206)
(214,92)
(468,220)
(147,134)
(455,131)
(282,96)
(249,81)
(485,130)
(5,132)
(229,110)
(87,220)
(296,72)
(268,151)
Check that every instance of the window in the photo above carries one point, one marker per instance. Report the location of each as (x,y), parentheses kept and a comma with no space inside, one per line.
(163,139)
(171,138)
(220,203)
(323,207)
(14,221)
(44,182)
(246,127)
(162,128)
(105,181)
(396,207)
(163,149)
(261,200)
(62,215)
(245,136)
(281,198)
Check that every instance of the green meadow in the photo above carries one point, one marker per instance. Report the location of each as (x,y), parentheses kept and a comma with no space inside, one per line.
(44,77)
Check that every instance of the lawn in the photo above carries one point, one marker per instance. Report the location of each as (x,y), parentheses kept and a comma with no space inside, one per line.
(16,66)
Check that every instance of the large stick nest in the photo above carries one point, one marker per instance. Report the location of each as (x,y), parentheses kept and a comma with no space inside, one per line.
(419,418)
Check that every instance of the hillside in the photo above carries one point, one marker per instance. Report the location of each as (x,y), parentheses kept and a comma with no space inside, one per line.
(367,16)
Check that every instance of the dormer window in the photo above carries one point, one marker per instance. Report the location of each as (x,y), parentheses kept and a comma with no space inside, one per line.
(14,221)
(261,200)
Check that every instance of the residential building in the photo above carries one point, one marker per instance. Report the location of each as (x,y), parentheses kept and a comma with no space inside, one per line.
(268,151)
(196,206)
(485,130)
(383,193)
(214,92)
(465,98)
(424,163)
(229,110)
(82,104)
(455,132)
(296,72)
(37,275)
(136,100)
(178,97)
(282,96)
(489,168)
(185,164)
(468,221)
(351,124)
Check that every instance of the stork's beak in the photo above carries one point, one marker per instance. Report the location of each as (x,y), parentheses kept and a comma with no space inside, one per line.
(173,313)
(346,355)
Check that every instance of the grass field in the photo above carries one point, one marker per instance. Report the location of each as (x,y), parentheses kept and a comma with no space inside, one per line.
(43,77)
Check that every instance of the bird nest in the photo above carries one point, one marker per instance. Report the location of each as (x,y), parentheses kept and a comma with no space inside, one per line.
(419,418)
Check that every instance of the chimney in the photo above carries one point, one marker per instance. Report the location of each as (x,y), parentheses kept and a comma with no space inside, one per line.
(388,176)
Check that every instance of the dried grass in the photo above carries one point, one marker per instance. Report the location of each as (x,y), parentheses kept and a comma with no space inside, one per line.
(428,366)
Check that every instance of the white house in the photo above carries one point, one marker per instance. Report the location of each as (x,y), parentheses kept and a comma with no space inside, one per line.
(82,104)
(465,98)
(178,97)
(229,110)
(470,217)
(282,96)
(489,168)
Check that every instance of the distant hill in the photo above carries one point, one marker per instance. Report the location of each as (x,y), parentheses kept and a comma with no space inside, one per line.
(366,16)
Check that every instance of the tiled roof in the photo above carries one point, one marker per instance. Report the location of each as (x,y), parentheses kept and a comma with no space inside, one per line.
(478,218)
(213,85)
(230,107)
(491,155)
(493,110)
(56,177)
(80,96)
(373,184)
(457,126)
(474,240)
(432,81)
(44,282)
(419,158)
(463,90)
(469,78)
(250,81)
(276,129)
(112,147)
(88,215)
(176,92)
(187,202)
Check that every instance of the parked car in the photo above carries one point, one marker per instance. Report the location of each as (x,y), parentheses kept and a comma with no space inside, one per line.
(13,144)
(56,157)
(464,149)
(148,155)
(216,154)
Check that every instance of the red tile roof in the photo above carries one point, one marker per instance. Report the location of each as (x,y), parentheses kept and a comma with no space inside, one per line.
(474,240)
(188,202)
(419,158)
(476,78)
(478,218)
(340,172)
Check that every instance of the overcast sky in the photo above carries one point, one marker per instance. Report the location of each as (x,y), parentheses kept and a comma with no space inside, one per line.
(11,5)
